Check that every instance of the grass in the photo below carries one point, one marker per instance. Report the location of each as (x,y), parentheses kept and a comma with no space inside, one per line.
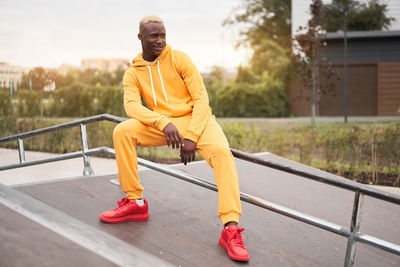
(364,152)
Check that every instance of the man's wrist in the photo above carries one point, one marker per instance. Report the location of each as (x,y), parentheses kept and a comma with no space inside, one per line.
(191,137)
(162,123)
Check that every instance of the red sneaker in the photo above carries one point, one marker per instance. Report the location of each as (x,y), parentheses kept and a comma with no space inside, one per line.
(231,240)
(127,211)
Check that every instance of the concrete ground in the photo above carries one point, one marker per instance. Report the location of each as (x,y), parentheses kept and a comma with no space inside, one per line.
(183,228)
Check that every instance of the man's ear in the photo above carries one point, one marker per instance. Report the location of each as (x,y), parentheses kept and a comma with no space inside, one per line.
(139,36)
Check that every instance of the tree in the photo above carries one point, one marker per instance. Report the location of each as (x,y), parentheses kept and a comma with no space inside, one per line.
(41,78)
(65,80)
(74,100)
(263,19)
(314,71)
(369,16)
(118,75)
(269,56)
(214,82)
(24,81)
(266,29)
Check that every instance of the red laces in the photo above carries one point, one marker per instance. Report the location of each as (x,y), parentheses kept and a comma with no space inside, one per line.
(122,203)
(237,237)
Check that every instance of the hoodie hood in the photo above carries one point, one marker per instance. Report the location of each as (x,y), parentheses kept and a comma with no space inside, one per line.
(171,87)
(138,61)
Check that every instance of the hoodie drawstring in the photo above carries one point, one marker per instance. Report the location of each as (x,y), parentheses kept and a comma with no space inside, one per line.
(152,86)
(162,83)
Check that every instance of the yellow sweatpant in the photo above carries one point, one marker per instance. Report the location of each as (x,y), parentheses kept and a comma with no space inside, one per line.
(212,146)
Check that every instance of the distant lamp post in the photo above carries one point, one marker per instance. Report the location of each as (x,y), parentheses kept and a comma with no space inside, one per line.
(345,10)
(11,89)
(346,91)
(11,94)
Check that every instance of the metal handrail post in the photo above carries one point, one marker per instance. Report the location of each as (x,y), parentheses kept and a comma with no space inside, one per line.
(87,169)
(21,150)
(354,229)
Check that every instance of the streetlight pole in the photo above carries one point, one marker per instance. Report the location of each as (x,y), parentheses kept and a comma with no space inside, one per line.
(345,10)
(11,101)
(346,92)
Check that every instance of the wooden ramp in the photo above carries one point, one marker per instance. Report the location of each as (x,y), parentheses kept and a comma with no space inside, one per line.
(56,223)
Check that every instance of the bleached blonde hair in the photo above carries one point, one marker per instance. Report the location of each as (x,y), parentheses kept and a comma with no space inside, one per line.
(147,19)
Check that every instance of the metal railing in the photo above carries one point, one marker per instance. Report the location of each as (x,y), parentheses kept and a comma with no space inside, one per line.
(85,153)
(353,234)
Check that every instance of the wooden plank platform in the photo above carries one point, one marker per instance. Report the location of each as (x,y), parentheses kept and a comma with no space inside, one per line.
(183,228)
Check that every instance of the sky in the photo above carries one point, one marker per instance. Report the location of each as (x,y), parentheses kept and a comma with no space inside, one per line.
(49,33)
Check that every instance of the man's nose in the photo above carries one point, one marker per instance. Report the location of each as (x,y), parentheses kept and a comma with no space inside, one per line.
(159,39)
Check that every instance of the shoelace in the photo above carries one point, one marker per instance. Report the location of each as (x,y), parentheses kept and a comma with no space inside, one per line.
(122,203)
(237,238)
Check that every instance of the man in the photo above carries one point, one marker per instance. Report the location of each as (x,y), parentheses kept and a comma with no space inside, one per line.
(177,115)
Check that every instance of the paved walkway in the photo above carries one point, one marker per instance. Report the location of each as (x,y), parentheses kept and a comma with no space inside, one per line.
(319,119)
(53,170)
(49,171)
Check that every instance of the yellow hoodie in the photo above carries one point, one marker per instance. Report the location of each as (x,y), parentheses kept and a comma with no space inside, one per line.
(170,86)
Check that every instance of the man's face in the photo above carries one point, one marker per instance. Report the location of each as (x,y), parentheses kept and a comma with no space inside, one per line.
(153,40)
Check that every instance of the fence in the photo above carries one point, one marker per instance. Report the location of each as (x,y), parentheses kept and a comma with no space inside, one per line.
(353,234)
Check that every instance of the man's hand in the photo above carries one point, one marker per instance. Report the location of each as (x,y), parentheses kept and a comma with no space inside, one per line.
(188,150)
(172,135)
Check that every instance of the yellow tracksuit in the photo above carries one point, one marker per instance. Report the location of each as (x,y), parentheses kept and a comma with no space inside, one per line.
(173,91)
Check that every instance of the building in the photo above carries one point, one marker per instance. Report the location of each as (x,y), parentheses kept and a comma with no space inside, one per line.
(10,74)
(373,76)
(104,64)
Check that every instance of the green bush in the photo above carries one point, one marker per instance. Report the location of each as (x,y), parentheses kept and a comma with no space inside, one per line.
(82,100)
(265,98)
(241,135)
(76,100)
(7,126)
(368,153)
(109,99)
(28,103)
(68,140)
(5,103)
